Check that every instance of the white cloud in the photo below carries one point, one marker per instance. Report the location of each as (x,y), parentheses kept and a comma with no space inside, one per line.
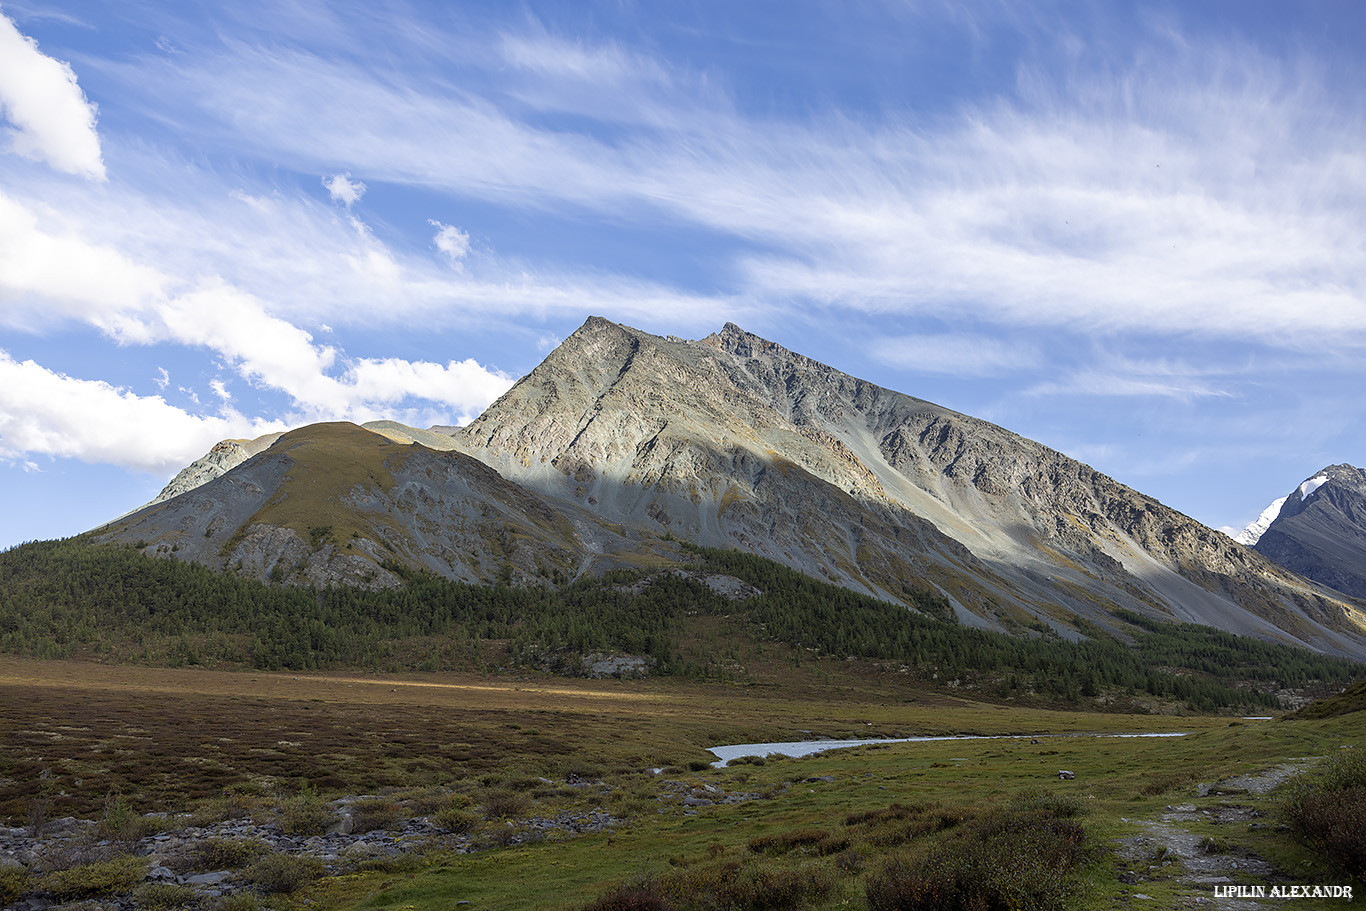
(52,119)
(73,276)
(344,190)
(466,387)
(48,413)
(957,354)
(162,379)
(450,240)
(1218,192)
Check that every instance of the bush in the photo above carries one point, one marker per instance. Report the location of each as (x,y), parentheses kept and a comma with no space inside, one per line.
(13,883)
(503,805)
(749,885)
(276,873)
(642,896)
(1327,810)
(242,901)
(165,896)
(788,841)
(121,823)
(376,813)
(456,819)
(106,877)
(306,814)
(1024,856)
(227,853)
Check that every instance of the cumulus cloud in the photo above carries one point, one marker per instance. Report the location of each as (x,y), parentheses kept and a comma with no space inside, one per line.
(450,240)
(43,412)
(51,118)
(48,269)
(466,387)
(343,189)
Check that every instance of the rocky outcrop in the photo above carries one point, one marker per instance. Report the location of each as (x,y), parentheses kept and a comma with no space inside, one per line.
(218,461)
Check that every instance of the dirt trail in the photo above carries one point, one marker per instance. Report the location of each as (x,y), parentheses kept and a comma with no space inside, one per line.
(1167,848)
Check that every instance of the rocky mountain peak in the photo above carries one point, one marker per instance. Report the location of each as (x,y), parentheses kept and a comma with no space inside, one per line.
(1320,529)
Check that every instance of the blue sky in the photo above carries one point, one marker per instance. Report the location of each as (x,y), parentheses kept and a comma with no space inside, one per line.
(1133,232)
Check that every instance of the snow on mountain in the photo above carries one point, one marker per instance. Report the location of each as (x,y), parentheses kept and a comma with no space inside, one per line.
(1250,535)
(1308,487)
(1253,533)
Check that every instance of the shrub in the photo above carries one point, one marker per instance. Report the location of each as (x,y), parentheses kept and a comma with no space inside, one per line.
(749,885)
(306,814)
(242,901)
(1327,810)
(164,896)
(456,819)
(234,804)
(227,853)
(1024,856)
(377,813)
(121,823)
(642,896)
(276,873)
(788,841)
(106,877)
(503,805)
(13,883)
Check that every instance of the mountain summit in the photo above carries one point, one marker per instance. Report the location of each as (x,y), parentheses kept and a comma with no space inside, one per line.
(622,444)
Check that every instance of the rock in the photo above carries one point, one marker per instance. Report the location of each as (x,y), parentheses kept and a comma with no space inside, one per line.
(1065,775)
(344,825)
(208,879)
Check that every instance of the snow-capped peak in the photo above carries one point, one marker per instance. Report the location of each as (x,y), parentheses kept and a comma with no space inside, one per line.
(1253,533)
(1308,487)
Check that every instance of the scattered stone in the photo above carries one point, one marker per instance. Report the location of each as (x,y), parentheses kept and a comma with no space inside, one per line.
(1065,775)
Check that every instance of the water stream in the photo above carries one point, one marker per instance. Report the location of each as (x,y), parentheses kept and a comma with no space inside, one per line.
(724,754)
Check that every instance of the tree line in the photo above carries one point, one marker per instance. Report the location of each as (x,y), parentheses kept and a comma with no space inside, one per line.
(70,597)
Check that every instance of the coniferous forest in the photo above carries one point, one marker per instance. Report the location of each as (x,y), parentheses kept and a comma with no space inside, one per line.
(70,598)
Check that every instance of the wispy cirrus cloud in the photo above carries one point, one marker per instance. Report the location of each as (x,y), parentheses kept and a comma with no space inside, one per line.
(1219,193)
(957,354)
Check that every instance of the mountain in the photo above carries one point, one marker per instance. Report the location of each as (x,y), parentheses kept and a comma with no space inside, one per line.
(621,444)
(1319,531)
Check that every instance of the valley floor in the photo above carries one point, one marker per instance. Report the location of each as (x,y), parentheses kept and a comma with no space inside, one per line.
(538,792)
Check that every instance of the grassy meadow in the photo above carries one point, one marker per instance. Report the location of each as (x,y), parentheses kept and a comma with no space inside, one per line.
(837,830)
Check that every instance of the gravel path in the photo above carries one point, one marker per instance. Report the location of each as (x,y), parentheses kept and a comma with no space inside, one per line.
(1166,848)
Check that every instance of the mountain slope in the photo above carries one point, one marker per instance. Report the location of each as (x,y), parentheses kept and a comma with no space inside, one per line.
(736,441)
(329,503)
(1320,530)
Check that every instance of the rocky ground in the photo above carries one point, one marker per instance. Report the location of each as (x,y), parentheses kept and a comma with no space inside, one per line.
(173,863)
(1169,847)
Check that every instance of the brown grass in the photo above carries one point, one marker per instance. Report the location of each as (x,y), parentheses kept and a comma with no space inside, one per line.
(164,737)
